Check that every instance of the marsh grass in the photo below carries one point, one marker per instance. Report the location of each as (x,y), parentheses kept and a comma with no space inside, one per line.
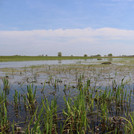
(50,116)
(5,83)
(4,123)
(76,114)
(129,127)
(16,98)
(31,94)
(91,109)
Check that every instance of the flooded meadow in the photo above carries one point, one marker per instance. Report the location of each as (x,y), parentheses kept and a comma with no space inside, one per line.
(67,97)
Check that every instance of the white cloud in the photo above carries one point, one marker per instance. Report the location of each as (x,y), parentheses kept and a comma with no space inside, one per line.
(69,41)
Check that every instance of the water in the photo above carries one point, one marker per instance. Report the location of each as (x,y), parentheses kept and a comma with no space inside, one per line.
(20,78)
(51,62)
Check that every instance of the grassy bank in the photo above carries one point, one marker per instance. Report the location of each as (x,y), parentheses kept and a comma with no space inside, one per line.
(36,58)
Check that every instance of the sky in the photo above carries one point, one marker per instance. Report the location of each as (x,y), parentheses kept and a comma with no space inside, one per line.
(73,27)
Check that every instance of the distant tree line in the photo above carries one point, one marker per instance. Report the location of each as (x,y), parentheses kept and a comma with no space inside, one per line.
(85,55)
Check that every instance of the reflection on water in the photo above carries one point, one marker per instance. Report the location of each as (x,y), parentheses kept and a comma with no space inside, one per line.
(59,61)
(110,59)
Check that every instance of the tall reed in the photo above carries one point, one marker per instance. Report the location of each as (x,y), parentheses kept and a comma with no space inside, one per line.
(5,83)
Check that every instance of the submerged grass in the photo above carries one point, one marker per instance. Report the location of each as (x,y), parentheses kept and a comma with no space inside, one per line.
(83,108)
(31,93)
(75,114)
(5,83)
(4,123)
(92,110)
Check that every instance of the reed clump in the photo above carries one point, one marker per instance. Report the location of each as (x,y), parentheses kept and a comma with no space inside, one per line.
(5,83)
(4,123)
(31,96)
(85,108)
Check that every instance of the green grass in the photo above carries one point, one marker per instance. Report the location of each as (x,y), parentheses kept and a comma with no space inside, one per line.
(89,106)
(37,58)
(5,83)
(31,93)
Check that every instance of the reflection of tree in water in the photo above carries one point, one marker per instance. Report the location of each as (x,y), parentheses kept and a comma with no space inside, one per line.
(110,59)
(59,61)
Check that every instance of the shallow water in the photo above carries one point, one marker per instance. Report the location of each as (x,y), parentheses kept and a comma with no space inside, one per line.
(100,76)
(21,116)
(53,62)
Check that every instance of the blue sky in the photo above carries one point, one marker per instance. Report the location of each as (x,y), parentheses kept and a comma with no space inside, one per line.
(26,24)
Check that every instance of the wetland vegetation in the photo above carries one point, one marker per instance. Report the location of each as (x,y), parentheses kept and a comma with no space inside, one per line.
(68,99)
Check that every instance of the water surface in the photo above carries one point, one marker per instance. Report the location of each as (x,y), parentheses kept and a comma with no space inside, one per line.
(52,62)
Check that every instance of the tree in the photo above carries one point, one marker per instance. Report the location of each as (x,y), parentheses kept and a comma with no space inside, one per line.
(98,55)
(59,54)
(85,55)
(110,55)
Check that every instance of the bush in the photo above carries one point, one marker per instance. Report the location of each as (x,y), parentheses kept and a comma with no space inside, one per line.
(59,54)
(85,55)
(110,55)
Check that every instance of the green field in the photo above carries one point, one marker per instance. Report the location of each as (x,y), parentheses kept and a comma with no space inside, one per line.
(37,58)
